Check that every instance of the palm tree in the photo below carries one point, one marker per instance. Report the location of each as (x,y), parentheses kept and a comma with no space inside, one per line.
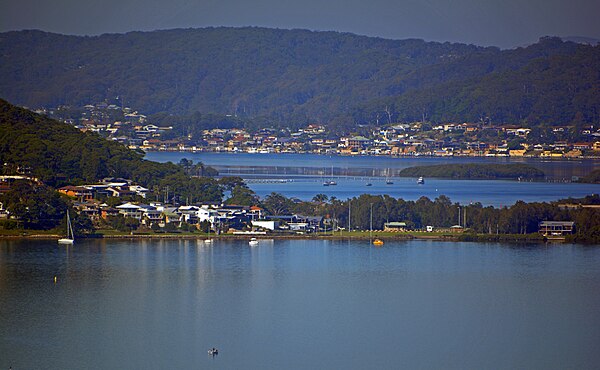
(320,198)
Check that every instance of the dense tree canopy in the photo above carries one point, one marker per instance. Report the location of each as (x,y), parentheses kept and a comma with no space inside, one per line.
(475,171)
(203,78)
(57,153)
(520,218)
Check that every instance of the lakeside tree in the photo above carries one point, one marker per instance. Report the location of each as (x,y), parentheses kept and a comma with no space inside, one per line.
(277,204)
(35,206)
(242,196)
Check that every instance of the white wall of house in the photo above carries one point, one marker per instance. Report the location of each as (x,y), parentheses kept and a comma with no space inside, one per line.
(269,225)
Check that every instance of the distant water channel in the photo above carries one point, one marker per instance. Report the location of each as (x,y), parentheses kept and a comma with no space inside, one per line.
(303,175)
(298,304)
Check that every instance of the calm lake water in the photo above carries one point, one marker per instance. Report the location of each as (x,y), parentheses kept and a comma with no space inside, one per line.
(305,174)
(298,304)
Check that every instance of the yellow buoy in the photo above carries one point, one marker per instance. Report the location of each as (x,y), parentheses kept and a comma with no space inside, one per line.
(54,279)
(378,242)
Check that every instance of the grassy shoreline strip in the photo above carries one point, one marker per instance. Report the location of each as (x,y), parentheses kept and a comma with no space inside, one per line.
(465,237)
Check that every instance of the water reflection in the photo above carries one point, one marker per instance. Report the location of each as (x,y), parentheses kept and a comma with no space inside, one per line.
(290,165)
(162,303)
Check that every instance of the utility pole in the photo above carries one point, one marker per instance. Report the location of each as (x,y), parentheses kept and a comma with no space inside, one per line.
(349,215)
(371,227)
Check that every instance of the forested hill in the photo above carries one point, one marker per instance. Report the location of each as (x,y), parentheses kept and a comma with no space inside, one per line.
(296,76)
(58,153)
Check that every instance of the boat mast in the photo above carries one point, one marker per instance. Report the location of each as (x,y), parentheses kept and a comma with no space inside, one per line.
(69,227)
(371,226)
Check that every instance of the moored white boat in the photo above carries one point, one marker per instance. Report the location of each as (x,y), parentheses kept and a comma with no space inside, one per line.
(70,239)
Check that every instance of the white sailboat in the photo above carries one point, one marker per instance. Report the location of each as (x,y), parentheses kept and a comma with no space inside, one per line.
(332,182)
(70,239)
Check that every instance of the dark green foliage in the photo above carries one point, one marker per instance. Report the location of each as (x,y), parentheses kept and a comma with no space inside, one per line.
(204,226)
(552,83)
(197,169)
(231,182)
(588,199)
(592,177)
(474,171)
(35,206)
(243,71)
(242,196)
(57,153)
(186,190)
(257,77)
(320,198)
(277,204)
(587,225)
(81,223)
(519,219)
(188,227)
(123,223)
(9,224)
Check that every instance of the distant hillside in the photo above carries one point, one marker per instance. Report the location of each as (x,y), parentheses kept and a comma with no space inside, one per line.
(582,40)
(296,76)
(556,89)
(57,153)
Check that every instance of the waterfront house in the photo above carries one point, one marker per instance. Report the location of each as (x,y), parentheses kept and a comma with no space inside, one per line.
(150,214)
(131,210)
(266,224)
(556,228)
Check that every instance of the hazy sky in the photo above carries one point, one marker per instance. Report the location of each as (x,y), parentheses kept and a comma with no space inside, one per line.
(504,23)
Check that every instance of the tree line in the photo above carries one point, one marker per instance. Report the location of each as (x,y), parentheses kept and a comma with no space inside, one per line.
(359,213)
(475,171)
